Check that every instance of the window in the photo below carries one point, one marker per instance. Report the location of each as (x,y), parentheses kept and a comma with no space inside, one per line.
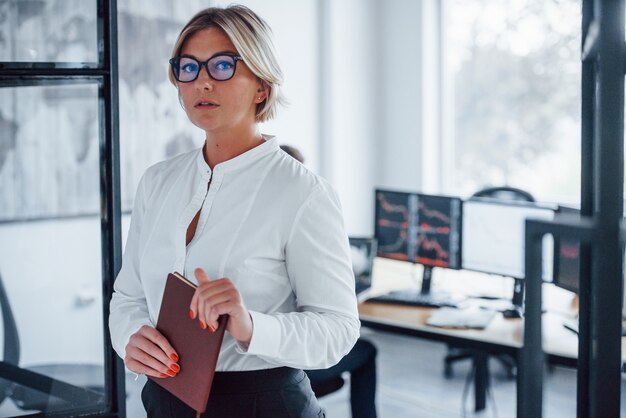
(28,34)
(59,245)
(513,111)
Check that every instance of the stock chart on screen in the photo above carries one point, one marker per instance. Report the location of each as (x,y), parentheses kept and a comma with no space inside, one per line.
(567,256)
(395,212)
(438,231)
(418,228)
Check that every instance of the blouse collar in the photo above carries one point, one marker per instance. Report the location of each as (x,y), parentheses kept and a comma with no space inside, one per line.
(242,160)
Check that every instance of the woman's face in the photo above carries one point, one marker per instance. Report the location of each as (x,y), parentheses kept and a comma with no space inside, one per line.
(219,106)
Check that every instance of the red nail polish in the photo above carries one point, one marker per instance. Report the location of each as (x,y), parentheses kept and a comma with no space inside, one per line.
(191,314)
(174,357)
(202,325)
(170,373)
(175,368)
(163,375)
(211,328)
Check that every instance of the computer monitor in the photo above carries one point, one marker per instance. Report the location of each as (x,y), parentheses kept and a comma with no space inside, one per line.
(419,228)
(567,260)
(494,238)
(394,214)
(438,231)
(567,257)
(363,251)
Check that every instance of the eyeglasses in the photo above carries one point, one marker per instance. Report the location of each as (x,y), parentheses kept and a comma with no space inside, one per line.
(220,67)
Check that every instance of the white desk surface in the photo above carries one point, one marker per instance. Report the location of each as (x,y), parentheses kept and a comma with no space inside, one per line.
(389,275)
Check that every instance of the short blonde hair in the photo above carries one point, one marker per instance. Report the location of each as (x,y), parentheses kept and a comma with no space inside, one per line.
(252,38)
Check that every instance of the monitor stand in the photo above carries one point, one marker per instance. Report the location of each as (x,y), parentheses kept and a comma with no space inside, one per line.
(427,276)
(517,311)
(442,298)
(518,293)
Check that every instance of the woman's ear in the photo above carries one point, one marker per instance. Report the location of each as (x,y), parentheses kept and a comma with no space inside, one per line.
(261,93)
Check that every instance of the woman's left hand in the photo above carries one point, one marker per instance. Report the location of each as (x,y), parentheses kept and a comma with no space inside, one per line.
(219,297)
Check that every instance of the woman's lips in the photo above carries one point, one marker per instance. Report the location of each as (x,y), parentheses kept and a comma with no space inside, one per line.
(205,104)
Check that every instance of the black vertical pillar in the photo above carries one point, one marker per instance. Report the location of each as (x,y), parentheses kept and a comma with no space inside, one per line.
(530,370)
(606,256)
(110,189)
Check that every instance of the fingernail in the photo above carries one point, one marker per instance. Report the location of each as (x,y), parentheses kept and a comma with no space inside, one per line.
(175,368)
(163,375)
(170,373)
(202,325)
(192,315)
(174,357)
(211,328)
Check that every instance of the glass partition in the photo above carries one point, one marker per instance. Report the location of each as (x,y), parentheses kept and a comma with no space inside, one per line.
(50,259)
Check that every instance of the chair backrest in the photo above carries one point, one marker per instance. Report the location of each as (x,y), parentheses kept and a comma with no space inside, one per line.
(505,193)
(11,352)
(364,250)
(11,338)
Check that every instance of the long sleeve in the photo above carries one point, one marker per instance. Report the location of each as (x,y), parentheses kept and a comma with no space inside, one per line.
(268,224)
(128,307)
(326,324)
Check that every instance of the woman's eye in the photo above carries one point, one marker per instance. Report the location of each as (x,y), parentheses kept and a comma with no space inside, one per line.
(223,65)
(189,68)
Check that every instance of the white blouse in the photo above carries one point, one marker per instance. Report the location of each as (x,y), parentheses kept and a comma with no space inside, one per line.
(267,223)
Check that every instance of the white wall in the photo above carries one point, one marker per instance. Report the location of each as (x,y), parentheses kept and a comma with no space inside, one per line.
(352,105)
(375,98)
(398,147)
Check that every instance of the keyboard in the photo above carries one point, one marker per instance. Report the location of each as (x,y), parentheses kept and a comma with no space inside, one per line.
(471,318)
(416,298)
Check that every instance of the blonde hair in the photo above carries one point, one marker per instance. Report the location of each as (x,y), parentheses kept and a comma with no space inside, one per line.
(252,38)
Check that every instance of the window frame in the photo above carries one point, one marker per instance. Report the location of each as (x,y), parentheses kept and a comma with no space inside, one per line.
(105,74)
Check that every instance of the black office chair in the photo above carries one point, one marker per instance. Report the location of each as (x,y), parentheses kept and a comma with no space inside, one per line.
(360,362)
(88,376)
(11,352)
(455,354)
(505,193)
(325,387)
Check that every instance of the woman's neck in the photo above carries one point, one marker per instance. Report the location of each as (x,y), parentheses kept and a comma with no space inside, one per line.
(220,148)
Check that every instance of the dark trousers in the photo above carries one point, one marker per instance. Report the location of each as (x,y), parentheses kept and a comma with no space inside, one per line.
(360,362)
(272,393)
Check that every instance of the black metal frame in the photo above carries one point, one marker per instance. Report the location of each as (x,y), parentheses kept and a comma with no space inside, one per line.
(600,230)
(105,74)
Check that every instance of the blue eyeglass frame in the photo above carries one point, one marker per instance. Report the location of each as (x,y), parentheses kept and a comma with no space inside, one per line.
(174,62)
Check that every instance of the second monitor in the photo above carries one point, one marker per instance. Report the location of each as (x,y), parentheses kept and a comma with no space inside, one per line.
(494,239)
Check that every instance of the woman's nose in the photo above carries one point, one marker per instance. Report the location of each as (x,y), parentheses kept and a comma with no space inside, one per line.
(204,81)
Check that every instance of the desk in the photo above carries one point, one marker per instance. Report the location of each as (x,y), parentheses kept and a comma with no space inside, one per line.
(501,336)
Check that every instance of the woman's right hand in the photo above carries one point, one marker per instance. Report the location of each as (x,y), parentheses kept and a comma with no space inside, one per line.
(148,352)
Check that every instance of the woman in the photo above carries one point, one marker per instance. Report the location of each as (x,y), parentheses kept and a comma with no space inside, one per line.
(263,236)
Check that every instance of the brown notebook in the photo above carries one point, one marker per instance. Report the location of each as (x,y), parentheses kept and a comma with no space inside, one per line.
(197,349)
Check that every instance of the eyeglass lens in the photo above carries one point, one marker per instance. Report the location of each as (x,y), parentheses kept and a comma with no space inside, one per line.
(221,67)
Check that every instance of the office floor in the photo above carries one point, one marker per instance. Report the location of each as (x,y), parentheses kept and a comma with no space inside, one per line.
(411,385)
